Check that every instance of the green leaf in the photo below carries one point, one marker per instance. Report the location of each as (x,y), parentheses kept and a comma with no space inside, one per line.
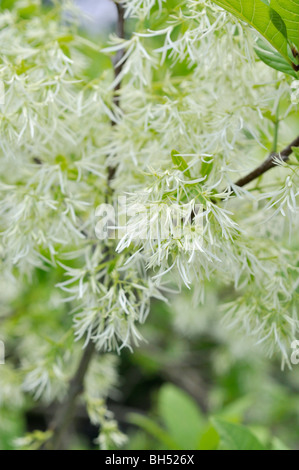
(278,22)
(289,12)
(268,115)
(296,152)
(179,162)
(236,437)
(256,13)
(235,411)
(277,444)
(28,11)
(154,430)
(209,440)
(7,4)
(12,426)
(207,166)
(273,59)
(181,416)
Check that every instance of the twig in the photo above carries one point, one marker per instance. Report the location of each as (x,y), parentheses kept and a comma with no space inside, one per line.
(268,164)
(65,414)
(118,65)
(118,60)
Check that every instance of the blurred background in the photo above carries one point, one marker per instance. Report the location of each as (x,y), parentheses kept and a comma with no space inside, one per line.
(101,15)
(189,369)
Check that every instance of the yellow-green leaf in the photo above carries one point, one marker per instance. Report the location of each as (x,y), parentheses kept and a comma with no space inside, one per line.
(180,163)
(257,14)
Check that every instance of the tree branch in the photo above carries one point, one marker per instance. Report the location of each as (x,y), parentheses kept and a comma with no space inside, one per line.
(268,164)
(118,61)
(66,412)
(118,65)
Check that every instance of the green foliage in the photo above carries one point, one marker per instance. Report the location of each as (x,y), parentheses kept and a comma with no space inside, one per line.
(296,153)
(276,20)
(12,425)
(287,17)
(7,4)
(180,163)
(186,424)
(148,425)
(185,428)
(235,437)
(273,59)
(206,166)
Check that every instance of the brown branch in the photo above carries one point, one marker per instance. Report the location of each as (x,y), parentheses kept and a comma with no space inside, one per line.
(118,65)
(268,164)
(66,412)
(118,60)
